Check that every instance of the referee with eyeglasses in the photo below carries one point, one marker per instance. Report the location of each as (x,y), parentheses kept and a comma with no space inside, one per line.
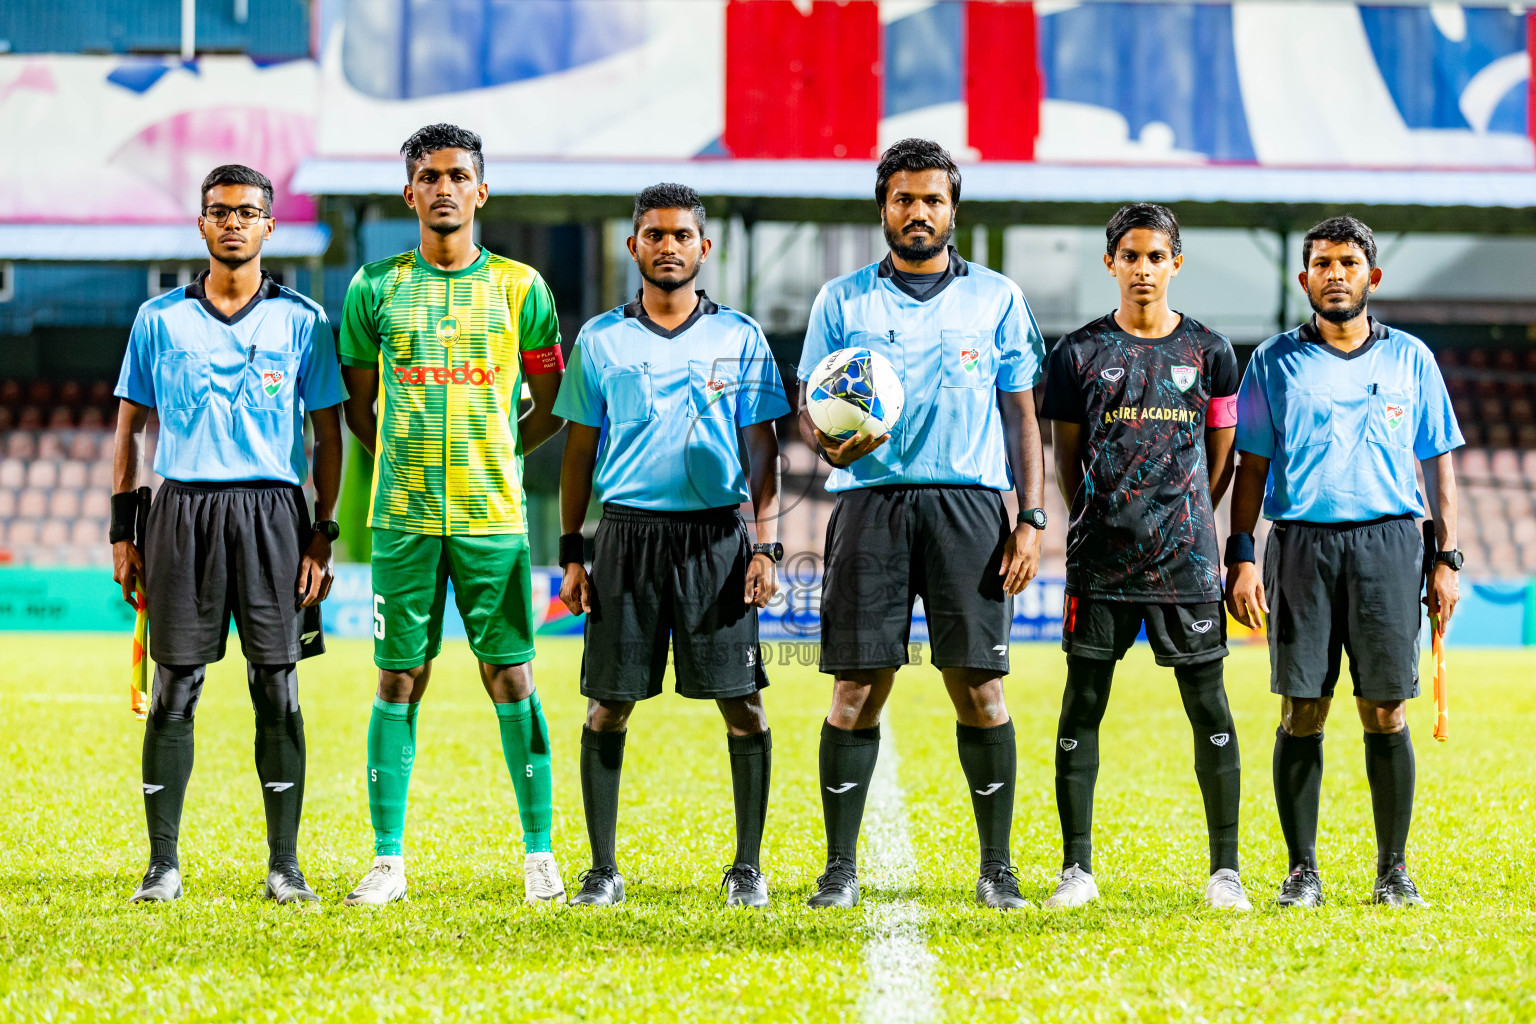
(1331,419)
(232,363)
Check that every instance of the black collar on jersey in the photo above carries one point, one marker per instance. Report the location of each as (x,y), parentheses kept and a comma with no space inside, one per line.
(957,268)
(1309,332)
(268,289)
(636,311)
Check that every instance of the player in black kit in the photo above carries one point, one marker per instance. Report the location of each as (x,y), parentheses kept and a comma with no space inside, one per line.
(1143,401)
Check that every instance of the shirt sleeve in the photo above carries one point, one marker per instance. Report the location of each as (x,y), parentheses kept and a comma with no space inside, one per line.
(1063,387)
(1255,421)
(1022,346)
(537,325)
(762,392)
(580,399)
(359,329)
(1438,430)
(1221,411)
(320,369)
(824,335)
(136,380)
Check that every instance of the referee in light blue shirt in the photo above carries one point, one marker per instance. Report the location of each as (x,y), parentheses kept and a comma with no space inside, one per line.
(231,363)
(1331,418)
(655,393)
(920,512)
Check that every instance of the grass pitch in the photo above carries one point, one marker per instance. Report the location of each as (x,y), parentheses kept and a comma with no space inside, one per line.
(464,946)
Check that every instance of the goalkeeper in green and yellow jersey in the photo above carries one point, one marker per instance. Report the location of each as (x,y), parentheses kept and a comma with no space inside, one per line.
(435,346)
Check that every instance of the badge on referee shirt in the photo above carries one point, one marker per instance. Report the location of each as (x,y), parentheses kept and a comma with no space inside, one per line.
(1183,376)
(969,357)
(1394,416)
(272,381)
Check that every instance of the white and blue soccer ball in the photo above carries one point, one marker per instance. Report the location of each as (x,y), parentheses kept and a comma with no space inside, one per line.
(854,391)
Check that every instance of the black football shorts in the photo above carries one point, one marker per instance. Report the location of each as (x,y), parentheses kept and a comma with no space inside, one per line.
(678,579)
(888,546)
(212,551)
(1179,634)
(1344,588)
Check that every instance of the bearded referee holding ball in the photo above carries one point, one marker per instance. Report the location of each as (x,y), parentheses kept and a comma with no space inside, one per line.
(232,363)
(919,511)
(1331,418)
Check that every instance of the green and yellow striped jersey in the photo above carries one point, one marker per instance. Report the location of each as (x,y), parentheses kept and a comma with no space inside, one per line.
(448,346)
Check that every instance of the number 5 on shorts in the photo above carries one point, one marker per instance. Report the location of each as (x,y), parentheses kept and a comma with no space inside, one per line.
(378,617)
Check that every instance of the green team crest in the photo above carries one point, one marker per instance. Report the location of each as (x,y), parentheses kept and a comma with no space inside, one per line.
(448,329)
(1183,376)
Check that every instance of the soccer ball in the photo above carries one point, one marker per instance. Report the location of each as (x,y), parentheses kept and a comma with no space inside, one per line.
(854,391)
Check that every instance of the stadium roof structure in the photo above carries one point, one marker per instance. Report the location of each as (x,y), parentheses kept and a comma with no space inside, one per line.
(1493,201)
(138,243)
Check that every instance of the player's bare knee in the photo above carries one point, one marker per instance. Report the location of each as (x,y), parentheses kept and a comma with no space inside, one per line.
(506,683)
(609,715)
(744,716)
(1382,716)
(404,686)
(1303,716)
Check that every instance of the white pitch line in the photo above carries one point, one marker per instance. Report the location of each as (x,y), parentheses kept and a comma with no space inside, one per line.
(899,964)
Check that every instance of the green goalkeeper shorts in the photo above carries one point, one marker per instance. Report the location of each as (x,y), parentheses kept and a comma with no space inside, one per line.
(492,585)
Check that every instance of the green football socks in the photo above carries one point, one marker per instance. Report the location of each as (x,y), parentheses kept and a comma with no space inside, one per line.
(525,745)
(391,752)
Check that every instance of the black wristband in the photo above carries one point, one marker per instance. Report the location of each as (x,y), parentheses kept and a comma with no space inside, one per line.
(125,517)
(573,548)
(1239,548)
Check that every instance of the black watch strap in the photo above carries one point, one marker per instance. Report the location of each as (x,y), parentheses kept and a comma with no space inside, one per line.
(1033,516)
(774,551)
(330,529)
(1453,558)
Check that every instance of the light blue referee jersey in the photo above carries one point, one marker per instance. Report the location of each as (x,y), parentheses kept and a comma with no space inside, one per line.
(1342,430)
(668,403)
(231,392)
(970,337)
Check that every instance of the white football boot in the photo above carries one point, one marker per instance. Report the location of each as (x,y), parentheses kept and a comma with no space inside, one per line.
(384,883)
(1225,892)
(541,879)
(1075,888)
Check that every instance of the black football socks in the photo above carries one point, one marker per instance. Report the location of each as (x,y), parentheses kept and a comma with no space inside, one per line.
(1389,767)
(1077,755)
(167,758)
(751,768)
(1217,767)
(1298,770)
(602,762)
(847,763)
(990,761)
(280,756)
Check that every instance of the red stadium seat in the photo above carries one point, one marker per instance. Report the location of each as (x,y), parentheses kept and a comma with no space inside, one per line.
(21,533)
(100,474)
(13,473)
(20,444)
(1505,465)
(54,531)
(83,445)
(73,473)
(1474,463)
(88,531)
(7,503)
(96,503)
(64,503)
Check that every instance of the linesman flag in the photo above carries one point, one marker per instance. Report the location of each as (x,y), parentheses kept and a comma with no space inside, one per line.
(1436,638)
(138,680)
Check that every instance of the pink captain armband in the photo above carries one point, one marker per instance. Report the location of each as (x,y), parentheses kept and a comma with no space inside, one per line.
(1221,412)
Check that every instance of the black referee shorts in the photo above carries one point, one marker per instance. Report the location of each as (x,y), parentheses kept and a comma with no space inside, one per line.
(888,546)
(678,577)
(1344,588)
(216,550)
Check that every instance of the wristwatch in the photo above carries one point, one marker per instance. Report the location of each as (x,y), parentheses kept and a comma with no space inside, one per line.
(1453,558)
(775,551)
(328,528)
(1033,516)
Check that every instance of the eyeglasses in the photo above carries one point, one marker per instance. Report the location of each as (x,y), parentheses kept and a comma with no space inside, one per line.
(244,215)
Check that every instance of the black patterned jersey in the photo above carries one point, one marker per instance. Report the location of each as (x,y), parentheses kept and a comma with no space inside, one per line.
(1142,527)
